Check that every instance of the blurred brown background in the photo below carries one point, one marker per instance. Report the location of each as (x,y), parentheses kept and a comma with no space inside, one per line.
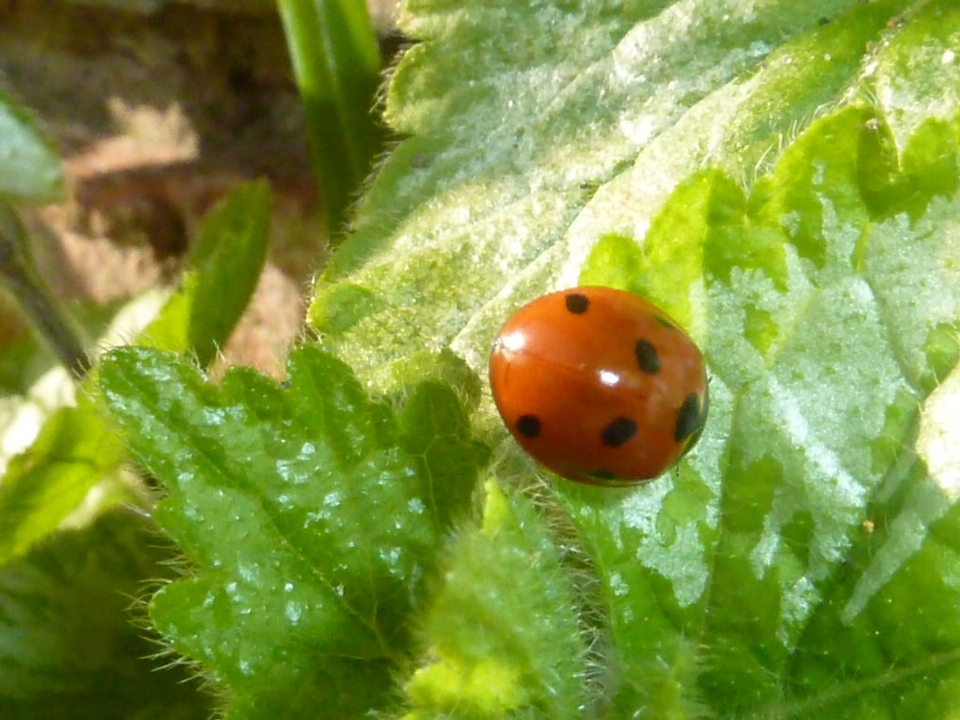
(158,108)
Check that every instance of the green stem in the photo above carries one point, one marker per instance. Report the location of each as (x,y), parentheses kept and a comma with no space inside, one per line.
(337,67)
(18,273)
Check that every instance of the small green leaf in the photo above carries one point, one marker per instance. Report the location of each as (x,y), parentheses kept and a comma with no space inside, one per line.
(221,274)
(930,163)
(72,641)
(312,515)
(342,309)
(74,452)
(502,632)
(615,261)
(226,266)
(30,169)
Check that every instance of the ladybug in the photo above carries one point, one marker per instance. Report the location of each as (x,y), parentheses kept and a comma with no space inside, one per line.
(599,385)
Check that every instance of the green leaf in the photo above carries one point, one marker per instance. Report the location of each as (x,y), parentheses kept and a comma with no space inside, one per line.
(71,645)
(225,267)
(312,514)
(221,274)
(30,169)
(503,630)
(74,452)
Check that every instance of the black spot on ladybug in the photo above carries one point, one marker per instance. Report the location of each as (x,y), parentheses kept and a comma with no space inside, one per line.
(690,419)
(666,323)
(528,426)
(577,303)
(648,359)
(603,475)
(618,432)
(702,423)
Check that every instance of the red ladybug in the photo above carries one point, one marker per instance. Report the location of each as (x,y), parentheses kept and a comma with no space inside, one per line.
(599,385)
